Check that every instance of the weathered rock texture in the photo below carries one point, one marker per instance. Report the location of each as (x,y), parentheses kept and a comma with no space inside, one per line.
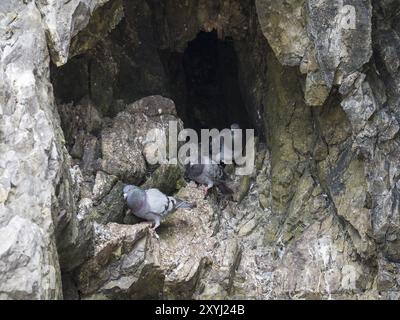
(318,218)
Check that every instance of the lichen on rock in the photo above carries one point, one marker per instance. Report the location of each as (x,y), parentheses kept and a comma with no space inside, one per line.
(318,218)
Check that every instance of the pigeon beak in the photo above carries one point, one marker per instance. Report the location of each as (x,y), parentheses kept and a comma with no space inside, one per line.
(125,196)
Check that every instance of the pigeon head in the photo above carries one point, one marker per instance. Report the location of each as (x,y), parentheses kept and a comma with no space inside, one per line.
(235,126)
(128,189)
(134,196)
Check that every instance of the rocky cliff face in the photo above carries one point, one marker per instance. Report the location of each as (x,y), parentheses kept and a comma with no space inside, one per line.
(82,82)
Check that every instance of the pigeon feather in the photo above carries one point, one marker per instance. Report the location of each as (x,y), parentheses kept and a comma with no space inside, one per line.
(152,204)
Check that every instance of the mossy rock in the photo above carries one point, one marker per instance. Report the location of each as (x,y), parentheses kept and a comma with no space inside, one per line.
(103,20)
(244,187)
(166,178)
(111,208)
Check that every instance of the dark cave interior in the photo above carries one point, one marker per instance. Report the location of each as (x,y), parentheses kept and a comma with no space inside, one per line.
(203,80)
(204,83)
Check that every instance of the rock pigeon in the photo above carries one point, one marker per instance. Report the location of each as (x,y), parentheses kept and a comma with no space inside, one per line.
(152,204)
(208,173)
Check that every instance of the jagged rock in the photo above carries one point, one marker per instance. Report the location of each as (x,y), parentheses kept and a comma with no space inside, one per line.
(123,262)
(103,20)
(79,117)
(102,185)
(23,263)
(387,278)
(316,91)
(122,143)
(318,36)
(74,229)
(341,35)
(130,257)
(386,45)
(63,21)
(325,268)
(358,103)
(165,178)
(31,157)
(284,25)
(318,218)
(91,152)
(110,209)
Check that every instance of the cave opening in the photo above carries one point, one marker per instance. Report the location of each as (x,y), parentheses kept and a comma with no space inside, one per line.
(202,80)
(204,83)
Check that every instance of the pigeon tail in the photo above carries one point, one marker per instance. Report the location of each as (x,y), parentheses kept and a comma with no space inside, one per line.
(223,188)
(181,204)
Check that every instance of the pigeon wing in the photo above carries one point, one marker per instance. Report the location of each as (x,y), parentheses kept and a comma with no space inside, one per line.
(157,202)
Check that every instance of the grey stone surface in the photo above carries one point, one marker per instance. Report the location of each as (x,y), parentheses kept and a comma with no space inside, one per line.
(62,21)
(125,150)
(318,218)
(30,157)
(303,30)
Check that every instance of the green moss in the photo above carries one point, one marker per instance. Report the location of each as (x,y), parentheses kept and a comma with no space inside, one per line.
(111,208)
(103,20)
(167,178)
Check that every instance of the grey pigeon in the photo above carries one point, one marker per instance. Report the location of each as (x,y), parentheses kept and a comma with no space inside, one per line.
(152,204)
(208,173)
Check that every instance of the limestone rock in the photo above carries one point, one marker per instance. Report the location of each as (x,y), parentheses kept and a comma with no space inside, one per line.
(342,36)
(110,208)
(328,39)
(123,142)
(123,265)
(102,21)
(317,218)
(316,91)
(284,25)
(132,263)
(103,185)
(165,178)
(31,157)
(63,21)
